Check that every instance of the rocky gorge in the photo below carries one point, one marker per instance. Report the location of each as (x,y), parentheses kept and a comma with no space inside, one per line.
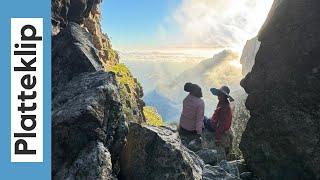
(98,124)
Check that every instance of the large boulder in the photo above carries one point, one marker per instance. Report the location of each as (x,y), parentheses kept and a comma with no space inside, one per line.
(87,111)
(93,162)
(222,171)
(72,53)
(226,170)
(157,153)
(282,137)
(209,156)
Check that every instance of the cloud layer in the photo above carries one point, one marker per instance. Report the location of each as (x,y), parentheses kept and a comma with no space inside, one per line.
(215,23)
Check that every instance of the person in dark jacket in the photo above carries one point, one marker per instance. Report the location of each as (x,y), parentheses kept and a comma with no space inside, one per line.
(221,120)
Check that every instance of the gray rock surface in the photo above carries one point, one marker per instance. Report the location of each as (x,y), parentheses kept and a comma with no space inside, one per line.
(87,111)
(247,176)
(248,55)
(157,153)
(208,142)
(72,53)
(88,123)
(93,162)
(217,173)
(209,156)
(194,145)
(240,164)
(64,11)
(224,170)
(230,167)
(282,137)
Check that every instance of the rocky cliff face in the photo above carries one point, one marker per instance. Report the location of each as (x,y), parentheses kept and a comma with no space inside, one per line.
(88,124)
(88,128)
(282,138)
(87,14)
(88,118)
(248,55)
(88,41)
(241,114)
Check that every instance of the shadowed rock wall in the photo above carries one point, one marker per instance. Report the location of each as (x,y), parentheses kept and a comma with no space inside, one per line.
(282,138)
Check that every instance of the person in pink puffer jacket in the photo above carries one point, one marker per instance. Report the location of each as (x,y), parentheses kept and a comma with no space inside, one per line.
(191,119)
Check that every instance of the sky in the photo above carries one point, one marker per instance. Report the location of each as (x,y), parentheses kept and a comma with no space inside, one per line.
(182,25)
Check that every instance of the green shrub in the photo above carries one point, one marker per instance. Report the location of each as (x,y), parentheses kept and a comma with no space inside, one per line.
(152,116)
(128,88)
(123,74)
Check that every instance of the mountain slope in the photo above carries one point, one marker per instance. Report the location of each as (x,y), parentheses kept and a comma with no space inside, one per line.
(169,110)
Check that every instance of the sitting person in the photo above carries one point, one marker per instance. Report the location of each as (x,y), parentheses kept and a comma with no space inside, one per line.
(221,120)
(191,120)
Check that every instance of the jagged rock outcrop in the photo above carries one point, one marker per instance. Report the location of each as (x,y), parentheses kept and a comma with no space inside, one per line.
(88,14)
(101,40)
(93,162)
(77,33)
(131,93)
(88,120)
(72,53)
(282,138)
(65,11)
(87,114)
(157,153)
(248,55)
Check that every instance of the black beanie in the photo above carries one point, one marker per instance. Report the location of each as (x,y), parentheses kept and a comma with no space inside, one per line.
(193,89)
(188,87)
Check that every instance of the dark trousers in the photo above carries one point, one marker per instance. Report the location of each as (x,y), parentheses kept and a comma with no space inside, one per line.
(207,124)
(187,136)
